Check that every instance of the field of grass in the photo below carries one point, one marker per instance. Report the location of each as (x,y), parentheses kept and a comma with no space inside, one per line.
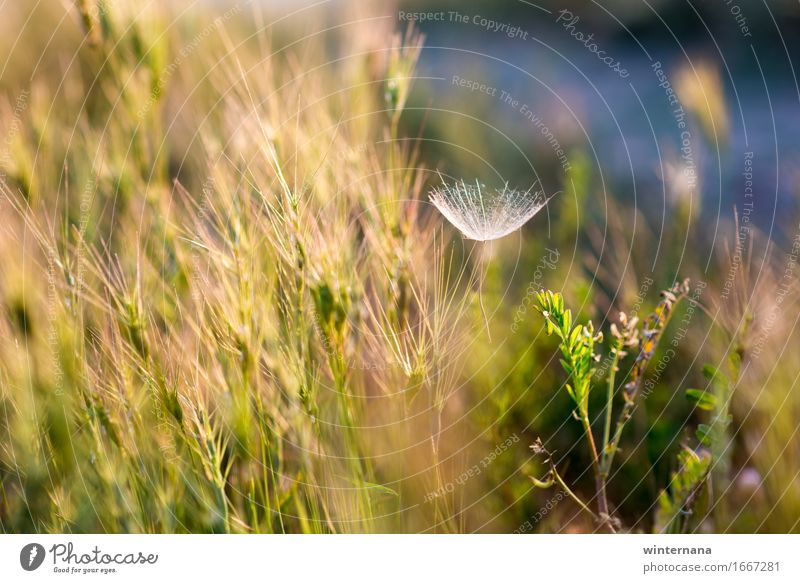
(227,304)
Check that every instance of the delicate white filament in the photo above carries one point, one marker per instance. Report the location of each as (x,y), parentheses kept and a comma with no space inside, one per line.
(485,215)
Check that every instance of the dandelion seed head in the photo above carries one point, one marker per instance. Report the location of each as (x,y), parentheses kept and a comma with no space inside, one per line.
(485,214)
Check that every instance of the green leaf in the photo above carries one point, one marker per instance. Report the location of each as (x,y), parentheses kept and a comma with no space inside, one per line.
(373,488)
(380,489)
(710,371)
(571,393)
(323,301)
(734,363)
(703,434)
(701,399)
(716,376)
(543,484)
(676,505)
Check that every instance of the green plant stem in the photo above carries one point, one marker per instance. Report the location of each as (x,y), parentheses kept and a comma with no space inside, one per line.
(561,324)
(638,372)
(622,420)
(612,375)
(720,435)
(599,481)
(571,494)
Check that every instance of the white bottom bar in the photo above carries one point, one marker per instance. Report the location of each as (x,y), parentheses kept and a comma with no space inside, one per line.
(407,558)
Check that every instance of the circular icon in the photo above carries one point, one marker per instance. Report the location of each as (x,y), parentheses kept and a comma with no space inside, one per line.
(31,556)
